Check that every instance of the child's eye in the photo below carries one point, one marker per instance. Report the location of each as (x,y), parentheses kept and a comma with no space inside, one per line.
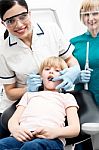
(47,68)
(57,70)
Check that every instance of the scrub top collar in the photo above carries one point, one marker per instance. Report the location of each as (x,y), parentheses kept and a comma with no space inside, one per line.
(88,33)
(13,40)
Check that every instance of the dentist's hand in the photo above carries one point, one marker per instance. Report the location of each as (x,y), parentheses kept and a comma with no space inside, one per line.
(33,82)
(67,76)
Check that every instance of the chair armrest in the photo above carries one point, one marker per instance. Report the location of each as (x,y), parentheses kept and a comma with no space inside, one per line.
(6,115)
(90,128)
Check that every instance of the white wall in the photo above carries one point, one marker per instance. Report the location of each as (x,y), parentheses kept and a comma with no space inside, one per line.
(67,11)
(1,29)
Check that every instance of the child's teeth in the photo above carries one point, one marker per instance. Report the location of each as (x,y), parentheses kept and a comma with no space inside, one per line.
(50,79)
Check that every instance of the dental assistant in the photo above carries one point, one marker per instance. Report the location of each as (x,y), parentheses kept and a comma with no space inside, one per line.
(89,14)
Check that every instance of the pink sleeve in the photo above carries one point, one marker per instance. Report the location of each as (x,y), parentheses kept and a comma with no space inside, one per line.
(70,100)
(24,100)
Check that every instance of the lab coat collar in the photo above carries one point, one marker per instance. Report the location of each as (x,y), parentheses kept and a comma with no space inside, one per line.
(13,40)
(39,30)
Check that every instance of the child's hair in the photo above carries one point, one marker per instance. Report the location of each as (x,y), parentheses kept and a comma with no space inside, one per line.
(88,5)
(53,61)
(5,5)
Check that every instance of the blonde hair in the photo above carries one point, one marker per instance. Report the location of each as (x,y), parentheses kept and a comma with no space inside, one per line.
(53,62)
(88,5)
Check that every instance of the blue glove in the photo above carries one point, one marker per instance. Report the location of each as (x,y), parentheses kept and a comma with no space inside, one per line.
(84,76)
(68,76)
(33,82)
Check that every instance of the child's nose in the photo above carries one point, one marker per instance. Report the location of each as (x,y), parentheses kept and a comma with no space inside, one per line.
(51,72)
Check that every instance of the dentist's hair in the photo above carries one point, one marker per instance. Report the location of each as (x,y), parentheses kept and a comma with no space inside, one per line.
(5,5)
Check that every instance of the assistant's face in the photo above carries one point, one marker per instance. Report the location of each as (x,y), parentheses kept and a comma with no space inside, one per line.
(18,21)
(91,20)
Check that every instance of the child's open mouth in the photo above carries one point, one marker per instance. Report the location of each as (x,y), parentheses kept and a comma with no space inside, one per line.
(50,78)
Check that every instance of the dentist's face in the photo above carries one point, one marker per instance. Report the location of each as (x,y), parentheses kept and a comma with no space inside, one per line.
(18,21)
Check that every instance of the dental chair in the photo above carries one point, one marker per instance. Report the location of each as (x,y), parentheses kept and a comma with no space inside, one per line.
(89,119)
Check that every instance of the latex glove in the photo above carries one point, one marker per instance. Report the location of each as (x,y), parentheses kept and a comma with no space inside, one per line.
(68,77)
(33,82)
(84,76)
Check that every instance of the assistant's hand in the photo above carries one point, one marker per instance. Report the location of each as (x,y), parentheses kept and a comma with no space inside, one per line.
(68,77)
(84,76)
(33,82)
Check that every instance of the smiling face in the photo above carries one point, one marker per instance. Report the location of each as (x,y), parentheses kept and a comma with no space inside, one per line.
(89,14)
(91,20)
(16,22)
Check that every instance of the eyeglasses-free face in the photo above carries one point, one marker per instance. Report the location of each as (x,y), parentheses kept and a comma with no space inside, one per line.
(11,22)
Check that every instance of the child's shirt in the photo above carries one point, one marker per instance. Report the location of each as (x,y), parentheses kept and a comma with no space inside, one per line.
(45,108)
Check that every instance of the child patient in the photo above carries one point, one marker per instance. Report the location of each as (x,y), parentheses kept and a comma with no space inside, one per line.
(40,116)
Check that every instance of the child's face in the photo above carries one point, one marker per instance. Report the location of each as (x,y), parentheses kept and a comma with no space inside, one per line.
(50,72)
